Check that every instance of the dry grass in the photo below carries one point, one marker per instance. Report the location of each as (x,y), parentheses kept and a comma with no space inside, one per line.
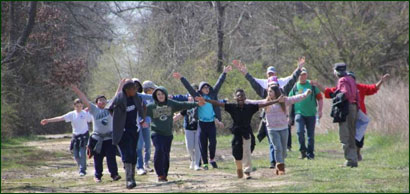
(388,110)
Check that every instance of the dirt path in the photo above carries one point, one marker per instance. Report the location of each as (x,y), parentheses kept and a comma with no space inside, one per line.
(60,175)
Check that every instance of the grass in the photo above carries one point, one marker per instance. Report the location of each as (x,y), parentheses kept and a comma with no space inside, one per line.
(385,168)
(16,156)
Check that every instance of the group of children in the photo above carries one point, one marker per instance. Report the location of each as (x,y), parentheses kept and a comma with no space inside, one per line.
(131,119)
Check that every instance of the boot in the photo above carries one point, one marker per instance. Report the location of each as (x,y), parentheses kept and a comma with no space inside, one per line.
(359,156)
(302,155)
(133,174)
(239,170)
(280,168)
(129,183)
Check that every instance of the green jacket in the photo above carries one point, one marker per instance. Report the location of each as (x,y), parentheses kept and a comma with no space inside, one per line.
(162,113)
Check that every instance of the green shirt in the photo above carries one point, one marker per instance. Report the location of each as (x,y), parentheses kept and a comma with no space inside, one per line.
(162,115)
(306,107)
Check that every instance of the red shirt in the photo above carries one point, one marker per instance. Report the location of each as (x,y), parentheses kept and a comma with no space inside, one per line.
(364,90)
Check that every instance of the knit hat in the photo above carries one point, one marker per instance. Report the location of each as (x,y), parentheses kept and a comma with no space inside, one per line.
(149,84)
(340,67)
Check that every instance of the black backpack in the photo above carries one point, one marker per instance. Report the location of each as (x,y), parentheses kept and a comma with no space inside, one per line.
(292,113)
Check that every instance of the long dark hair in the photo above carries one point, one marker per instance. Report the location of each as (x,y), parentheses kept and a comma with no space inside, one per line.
(278,93)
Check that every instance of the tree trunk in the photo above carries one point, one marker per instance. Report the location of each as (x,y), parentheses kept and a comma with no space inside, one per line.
(22,40)
(220,23)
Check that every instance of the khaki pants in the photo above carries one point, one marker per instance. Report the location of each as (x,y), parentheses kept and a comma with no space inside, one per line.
(246,158)
(347,132)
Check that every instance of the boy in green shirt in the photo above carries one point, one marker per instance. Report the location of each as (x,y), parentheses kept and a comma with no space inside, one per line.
(161,113)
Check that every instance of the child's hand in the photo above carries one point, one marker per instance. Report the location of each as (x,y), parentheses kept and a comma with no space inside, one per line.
(227,69)
(301,62)
(308,91)
(44,122)
(282,98)
(176,75)
(201,100)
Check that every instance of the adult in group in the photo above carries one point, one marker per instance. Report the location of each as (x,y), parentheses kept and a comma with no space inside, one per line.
(304,113)
(207,114)
(79,119)
(362,118)
(348,96)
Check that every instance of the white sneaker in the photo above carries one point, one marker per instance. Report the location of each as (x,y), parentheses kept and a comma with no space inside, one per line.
(141,172)
(82,174)
(192,165)
(197,168)
(147,168)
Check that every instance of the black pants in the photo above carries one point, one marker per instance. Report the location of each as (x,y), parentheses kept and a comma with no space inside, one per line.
(360,143)
(107,150)
(128,146)
(162,146)
(207,131)
(289,137)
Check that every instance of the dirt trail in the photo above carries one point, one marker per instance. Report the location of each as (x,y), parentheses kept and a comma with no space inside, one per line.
(61,175)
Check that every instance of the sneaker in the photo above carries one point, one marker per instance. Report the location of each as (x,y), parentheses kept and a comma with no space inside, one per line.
(205,166)
(272,165)
(116,178)
(289,149)
(141,171)
(351,164)
(196,167)
(213,163)
(191,166)
(82,173)
(247,175)
(97,180)
(147,168)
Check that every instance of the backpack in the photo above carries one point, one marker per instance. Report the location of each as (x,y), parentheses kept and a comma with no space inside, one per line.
(292,113)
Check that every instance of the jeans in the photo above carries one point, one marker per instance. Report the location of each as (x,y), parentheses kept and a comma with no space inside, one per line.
(128,146)
(144,141)
(361,124)
(80,157)
(192,145)
(280,141)
(162,146)
(108,150)
(207,131)
(308,122)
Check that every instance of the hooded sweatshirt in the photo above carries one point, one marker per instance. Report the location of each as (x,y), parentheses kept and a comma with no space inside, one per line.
(213,95)
(161,113)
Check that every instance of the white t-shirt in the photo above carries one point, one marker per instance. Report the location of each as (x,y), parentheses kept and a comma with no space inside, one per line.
(78,121)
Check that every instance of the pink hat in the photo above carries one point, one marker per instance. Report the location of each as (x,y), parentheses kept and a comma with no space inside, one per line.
(273,80)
